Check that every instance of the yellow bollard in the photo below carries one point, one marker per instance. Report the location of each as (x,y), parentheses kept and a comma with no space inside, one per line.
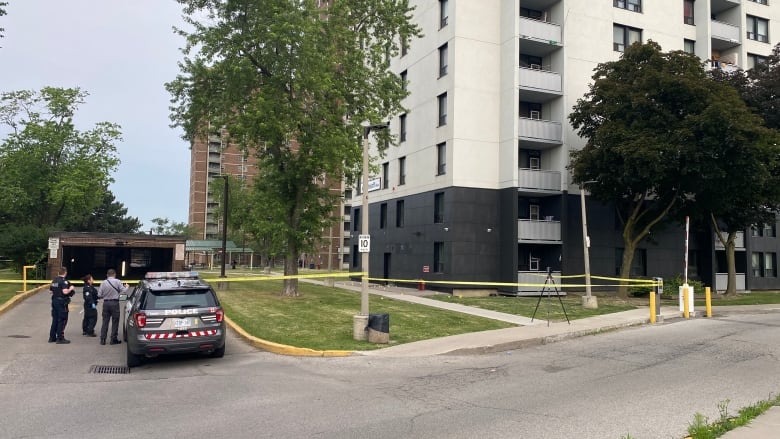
(24,276)
(652,307)
(686,311)
(708,301)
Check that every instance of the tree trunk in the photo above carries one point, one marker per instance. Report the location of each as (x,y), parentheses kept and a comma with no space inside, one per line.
(625,267)
(291,269)
(731,286)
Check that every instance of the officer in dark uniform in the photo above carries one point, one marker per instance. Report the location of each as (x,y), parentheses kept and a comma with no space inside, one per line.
(61,292)
(90,294)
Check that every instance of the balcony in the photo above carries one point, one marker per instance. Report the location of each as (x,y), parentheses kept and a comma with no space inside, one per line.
(739,242)
(533,281)
(539,180)
(538,231)
(539,134)
(538,37)
(724,35)
(537,85)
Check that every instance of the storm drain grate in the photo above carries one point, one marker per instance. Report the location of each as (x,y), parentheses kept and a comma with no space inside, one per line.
(109,369)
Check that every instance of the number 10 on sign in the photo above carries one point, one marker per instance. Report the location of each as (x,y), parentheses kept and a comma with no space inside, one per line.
(364,243)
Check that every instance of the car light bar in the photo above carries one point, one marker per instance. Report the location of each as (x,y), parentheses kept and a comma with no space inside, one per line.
(171,275)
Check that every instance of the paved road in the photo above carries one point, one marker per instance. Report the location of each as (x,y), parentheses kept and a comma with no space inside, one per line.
(645,381)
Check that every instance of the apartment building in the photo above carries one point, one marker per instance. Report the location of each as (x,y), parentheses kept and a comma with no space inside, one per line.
(214,157)
(477,189)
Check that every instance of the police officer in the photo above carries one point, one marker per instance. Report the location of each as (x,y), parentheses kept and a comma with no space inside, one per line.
(109,291)
(90,294)
(61,292)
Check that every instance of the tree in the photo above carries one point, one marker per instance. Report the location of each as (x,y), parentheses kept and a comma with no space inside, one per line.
(51,173)
(2,12)
(742,187)
(109,217)
(163,226)
(292,82)
(644,118)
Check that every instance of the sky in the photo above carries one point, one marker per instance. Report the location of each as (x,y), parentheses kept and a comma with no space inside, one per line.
(121,52)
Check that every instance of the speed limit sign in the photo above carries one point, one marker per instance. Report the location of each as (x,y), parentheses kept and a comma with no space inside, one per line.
(364,243)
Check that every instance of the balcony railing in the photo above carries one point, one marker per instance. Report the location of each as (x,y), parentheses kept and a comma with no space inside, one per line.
(533,282)
(540,81)
(538,230)
(539,131)
(725,31)
(739,242)
(539,179)
(539,30)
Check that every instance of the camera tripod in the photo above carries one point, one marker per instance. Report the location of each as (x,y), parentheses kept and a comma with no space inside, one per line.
(549,281)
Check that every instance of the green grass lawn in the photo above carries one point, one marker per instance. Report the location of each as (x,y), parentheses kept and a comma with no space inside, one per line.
(8,290)
(322,317)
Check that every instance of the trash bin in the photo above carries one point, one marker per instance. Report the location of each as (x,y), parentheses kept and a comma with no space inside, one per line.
(379,328)
(311,266)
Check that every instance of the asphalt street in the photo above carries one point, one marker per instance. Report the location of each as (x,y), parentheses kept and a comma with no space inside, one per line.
(645,381)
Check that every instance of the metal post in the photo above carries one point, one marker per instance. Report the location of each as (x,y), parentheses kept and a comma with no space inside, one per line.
(224,226)
(364,260)
(589,301)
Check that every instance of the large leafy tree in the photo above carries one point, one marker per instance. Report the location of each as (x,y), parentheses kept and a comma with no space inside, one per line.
(292,82)
(164,226)
(653,122)
(742,188)
(52,174)
(110,216)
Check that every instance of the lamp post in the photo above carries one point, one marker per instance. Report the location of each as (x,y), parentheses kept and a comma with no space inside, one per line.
(361,320)
(588,301)
(224,225)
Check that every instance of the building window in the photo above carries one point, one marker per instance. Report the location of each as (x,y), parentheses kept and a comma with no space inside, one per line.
(534,212)
(531,61)
(404,79)
(532,13)
(441,158)
(688,12)
(438,207)
(761,2)
(444,14)
(754,60)
(404,46)
(442,99)
(624,36)
(757,29)
(399,213)
(631,5)
(443,60)
(770,265)
(531,110)
(769,230)
(385,175)
(755,263)
(689,46)
(401,171)
(356,220)
(638,263)
(383,215)
(402,127)
(438,257)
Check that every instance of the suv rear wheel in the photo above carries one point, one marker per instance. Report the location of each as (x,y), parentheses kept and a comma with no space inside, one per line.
(133,360)
(218,353)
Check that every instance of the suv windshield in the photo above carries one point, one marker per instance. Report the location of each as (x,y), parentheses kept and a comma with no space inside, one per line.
(159,300)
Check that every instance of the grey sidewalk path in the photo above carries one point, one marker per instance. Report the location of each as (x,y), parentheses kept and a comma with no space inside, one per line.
(766,426)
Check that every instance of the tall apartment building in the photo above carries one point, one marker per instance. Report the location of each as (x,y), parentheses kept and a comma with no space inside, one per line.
(214,157)
(478,190)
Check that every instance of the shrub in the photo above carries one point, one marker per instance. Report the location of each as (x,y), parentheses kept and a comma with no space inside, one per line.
(671,288)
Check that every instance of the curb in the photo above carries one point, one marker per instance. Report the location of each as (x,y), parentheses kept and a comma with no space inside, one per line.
(12,302)
(283,349)
(519,344)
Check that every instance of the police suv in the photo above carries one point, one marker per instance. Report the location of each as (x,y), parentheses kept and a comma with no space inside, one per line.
(171,313)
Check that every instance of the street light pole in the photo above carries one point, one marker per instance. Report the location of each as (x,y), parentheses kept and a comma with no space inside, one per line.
(588,301)
(361,320)
(224,225)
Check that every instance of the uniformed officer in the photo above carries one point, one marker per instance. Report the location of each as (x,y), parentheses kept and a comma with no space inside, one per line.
(90,294)
(109,291)
(61,292)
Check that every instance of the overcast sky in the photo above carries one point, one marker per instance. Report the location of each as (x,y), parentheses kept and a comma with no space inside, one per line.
(121,52)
